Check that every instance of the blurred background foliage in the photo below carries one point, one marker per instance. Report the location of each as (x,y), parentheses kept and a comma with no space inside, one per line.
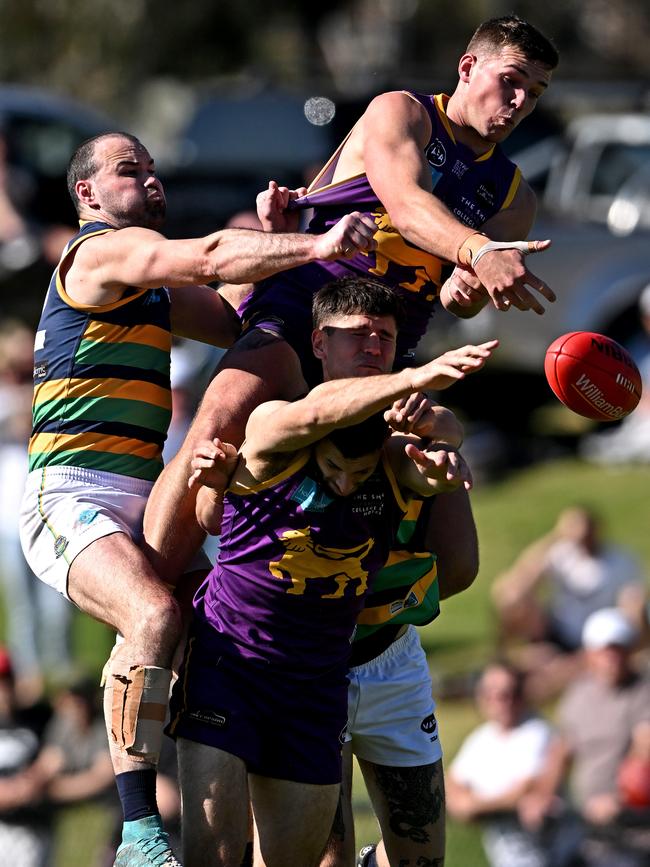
(107,51)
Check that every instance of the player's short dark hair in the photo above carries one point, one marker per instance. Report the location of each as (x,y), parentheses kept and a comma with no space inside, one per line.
(82,163)
(351,295)
(361,439)
(511,31)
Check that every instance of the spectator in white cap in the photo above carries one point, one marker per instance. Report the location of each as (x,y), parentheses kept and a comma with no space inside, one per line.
(598,718)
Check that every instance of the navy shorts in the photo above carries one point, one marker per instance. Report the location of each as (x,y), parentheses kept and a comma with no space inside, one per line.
(283,727)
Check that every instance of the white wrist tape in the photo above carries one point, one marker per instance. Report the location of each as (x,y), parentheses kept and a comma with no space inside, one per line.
(524,247)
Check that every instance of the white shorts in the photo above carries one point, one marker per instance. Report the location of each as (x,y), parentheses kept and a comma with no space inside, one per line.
(391,711)
(65,509)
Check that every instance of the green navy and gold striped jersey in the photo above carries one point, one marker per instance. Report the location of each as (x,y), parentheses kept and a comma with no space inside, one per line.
(405,591)
(102,394)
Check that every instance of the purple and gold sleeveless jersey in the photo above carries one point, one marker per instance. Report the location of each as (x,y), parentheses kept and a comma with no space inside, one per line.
(293,568)
(474,188)
(102,394)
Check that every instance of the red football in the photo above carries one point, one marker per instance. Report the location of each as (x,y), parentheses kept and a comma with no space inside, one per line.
(593,375)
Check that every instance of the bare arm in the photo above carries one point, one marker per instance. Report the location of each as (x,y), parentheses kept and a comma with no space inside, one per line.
(466,806)
(395,130)
(104,266)
(525,574)
(213,464)
(288,427)
(201,313)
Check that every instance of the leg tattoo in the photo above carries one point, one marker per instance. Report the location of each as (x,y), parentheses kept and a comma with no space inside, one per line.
(415,798)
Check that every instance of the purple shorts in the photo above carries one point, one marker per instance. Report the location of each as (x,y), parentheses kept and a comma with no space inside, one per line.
(283,727)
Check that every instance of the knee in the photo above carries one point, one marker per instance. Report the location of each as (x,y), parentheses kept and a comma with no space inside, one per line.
(158,621)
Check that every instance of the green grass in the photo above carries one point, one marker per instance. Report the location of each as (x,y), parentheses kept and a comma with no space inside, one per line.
(509,515)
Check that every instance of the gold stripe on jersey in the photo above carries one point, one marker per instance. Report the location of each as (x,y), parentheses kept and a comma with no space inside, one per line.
(239,489)
(146,335)
(374,615)
(53,443)
(89,389)
(514,186)
(390,475)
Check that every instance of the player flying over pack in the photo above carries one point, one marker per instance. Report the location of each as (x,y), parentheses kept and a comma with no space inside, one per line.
(429,171)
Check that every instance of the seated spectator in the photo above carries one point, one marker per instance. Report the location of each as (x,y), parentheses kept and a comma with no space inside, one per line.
(75,748)
(554,585)
(603,719)
(25,826)
(495,768)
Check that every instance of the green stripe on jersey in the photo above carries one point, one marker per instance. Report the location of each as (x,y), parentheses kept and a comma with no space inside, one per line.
(124,465)
(108,409)
(126,354)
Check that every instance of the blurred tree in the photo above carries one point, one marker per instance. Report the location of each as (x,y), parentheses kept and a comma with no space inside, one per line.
(104,51)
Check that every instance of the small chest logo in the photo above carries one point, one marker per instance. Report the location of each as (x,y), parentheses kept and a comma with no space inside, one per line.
(436,154)
(486,193)
(310,496)
(40,370)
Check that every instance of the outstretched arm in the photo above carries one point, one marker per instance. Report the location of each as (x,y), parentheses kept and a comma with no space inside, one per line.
(287,427)
(104,266)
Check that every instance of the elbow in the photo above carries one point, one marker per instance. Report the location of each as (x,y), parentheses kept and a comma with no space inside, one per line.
(401,218)
(458,574)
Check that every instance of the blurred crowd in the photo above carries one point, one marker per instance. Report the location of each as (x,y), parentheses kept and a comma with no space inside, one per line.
(572,790)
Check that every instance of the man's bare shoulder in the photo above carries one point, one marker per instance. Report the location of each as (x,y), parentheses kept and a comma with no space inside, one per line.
(396,113)
(89,271)
(117,239)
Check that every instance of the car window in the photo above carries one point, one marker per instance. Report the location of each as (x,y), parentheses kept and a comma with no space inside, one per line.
(44,146)
(618,162)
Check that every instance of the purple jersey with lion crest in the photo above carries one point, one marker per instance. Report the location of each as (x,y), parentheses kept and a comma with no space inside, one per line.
(294,565)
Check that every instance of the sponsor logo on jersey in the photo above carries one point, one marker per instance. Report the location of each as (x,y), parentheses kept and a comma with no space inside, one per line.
(311,497)
(459,169)
(429,725)
(486,192)
(436,154)
(40,370)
